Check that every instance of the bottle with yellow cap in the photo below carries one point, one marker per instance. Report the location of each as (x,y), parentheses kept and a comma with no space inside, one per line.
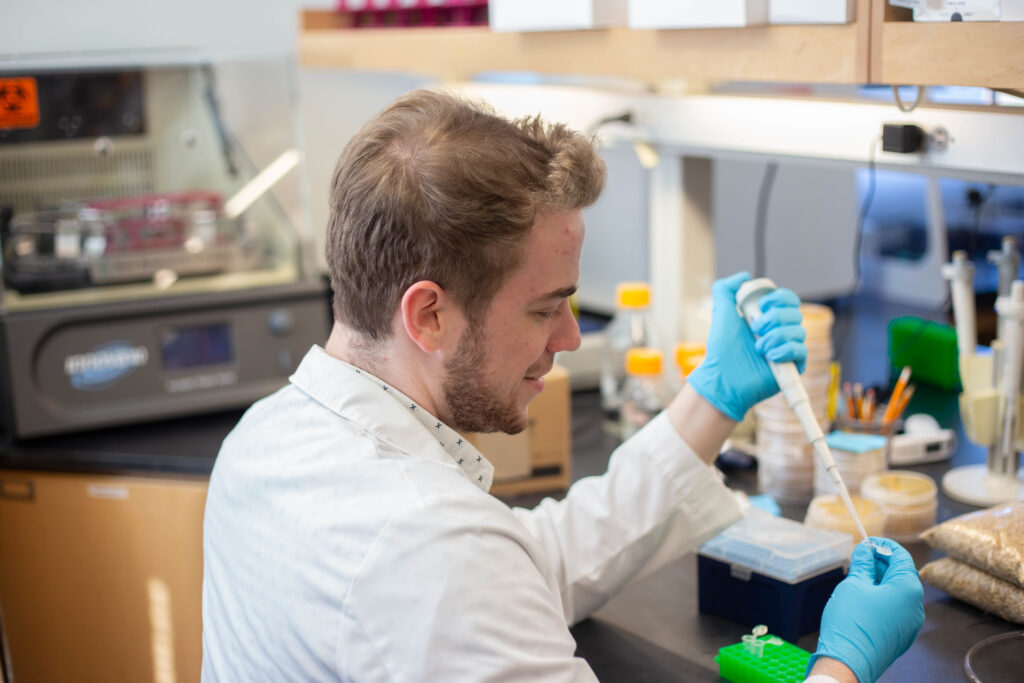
(644,394)
(630,327)
(688,355)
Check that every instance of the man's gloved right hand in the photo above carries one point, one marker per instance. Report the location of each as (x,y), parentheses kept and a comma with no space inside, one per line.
(735,373)
(874,614)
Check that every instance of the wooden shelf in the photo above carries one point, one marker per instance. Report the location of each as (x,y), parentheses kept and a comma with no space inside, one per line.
(812,54)
(880,47)
(987,54)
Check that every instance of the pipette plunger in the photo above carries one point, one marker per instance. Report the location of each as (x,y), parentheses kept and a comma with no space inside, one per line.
(748,300)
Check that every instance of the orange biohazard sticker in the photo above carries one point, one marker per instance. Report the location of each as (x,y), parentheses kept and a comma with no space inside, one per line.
(19,103)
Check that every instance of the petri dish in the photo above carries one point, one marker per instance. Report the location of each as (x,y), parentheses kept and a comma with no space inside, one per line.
(909,499)
(829,512)
(996,659)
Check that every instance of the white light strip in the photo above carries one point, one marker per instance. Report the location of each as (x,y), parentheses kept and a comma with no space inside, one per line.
(266,179)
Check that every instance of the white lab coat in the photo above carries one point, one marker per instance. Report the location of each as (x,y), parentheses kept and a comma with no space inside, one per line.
(349,536)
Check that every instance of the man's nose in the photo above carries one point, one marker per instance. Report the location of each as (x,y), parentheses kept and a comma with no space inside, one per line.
(567,335)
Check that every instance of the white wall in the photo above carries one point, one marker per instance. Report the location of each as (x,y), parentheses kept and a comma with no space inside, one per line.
(335,104)
(810,228)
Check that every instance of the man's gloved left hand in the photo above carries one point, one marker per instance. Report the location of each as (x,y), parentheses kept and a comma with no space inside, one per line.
(735,375)
(874,614)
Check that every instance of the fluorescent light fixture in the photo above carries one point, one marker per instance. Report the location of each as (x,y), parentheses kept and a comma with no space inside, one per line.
(266,179)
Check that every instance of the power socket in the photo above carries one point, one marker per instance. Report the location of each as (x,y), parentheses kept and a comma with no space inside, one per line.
(903,138)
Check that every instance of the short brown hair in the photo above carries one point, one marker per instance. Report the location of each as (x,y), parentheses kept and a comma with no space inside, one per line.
(437,188)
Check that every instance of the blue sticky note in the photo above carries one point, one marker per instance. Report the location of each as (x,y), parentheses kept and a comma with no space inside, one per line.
(766,503)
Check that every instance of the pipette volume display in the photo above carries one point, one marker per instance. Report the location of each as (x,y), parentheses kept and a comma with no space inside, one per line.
(748,301)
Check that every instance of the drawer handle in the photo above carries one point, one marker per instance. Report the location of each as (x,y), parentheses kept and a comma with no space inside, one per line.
(24,491)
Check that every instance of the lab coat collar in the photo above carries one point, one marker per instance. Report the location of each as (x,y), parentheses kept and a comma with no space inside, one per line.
(358,396)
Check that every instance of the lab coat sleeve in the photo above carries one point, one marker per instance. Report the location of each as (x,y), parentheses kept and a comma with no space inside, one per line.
(451,592)
(657,501)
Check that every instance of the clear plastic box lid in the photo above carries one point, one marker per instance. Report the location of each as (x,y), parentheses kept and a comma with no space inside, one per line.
(779,548)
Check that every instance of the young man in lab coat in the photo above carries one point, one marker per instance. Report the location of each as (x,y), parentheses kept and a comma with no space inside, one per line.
(349,533)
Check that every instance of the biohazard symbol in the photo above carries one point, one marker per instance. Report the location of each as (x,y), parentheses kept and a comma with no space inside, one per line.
(19,103)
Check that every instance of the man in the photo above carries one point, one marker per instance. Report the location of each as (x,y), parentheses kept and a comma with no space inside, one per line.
(349,534)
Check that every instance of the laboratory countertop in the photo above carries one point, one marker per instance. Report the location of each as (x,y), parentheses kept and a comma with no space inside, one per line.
(186,445)
(652,629)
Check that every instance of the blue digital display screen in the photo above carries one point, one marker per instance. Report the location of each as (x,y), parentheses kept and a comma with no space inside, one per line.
(184,348)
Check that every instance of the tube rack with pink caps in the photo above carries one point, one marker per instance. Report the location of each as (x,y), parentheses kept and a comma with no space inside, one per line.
(413,13)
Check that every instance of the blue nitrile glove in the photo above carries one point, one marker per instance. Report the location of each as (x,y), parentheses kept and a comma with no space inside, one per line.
(874,613)
(734,375)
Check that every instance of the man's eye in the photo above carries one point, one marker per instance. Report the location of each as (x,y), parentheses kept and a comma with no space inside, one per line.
(552,314)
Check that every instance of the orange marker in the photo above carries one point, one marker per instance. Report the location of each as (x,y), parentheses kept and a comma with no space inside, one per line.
(869,406)
(851,411)
(904,400)
(897,393)
(858,400)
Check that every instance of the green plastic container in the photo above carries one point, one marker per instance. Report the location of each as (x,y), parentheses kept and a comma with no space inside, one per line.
(929,348)
(782,663)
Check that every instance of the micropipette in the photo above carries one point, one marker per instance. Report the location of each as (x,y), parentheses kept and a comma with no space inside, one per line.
(748,301)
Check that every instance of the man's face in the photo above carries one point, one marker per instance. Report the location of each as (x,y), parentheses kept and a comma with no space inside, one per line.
(498,366)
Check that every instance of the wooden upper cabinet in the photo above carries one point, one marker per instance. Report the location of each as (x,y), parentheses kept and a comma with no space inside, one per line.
(905,52)
(881,46)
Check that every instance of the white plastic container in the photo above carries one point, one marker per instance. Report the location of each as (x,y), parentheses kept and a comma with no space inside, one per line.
(631,327)
(857,456)
(555,15)
(697,13)
(909,499)
(1012,10)
(811,11)
(644,394)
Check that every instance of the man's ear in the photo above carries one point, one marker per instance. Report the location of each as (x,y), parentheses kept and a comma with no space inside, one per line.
(426,315)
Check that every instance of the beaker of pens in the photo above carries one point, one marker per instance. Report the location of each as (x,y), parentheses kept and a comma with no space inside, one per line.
(857,411)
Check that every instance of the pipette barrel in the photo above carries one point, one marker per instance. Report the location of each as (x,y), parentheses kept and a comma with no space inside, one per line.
(748,299)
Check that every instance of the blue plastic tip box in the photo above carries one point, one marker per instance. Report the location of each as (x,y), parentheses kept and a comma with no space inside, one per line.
(772,571)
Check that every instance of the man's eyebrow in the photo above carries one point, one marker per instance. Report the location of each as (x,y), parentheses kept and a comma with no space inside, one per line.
(563,293)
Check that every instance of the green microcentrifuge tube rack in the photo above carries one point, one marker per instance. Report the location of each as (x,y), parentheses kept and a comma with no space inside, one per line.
(781,662)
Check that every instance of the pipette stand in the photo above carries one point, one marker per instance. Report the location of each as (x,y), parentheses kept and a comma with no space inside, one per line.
(991,411)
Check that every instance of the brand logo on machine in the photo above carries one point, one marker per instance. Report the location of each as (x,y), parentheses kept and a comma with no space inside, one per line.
(105,365)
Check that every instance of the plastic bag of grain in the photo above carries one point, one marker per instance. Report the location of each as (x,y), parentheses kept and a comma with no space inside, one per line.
(976,587)
(991,540)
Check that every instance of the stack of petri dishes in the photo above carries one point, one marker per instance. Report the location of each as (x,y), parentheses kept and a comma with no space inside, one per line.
(829,512)
(909,499)
(857,456)
(785,458)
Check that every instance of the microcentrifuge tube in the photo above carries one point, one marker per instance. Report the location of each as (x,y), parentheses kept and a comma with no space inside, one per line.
(880,549)
(752,643)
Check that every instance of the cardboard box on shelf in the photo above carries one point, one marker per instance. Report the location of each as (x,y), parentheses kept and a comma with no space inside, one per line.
(509,453)
(539,458)
(550,425)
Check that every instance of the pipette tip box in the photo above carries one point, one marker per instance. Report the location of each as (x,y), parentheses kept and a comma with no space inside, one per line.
(779,663)
(773,571)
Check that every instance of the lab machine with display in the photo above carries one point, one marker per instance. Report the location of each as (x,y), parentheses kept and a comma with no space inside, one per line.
(154,262)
